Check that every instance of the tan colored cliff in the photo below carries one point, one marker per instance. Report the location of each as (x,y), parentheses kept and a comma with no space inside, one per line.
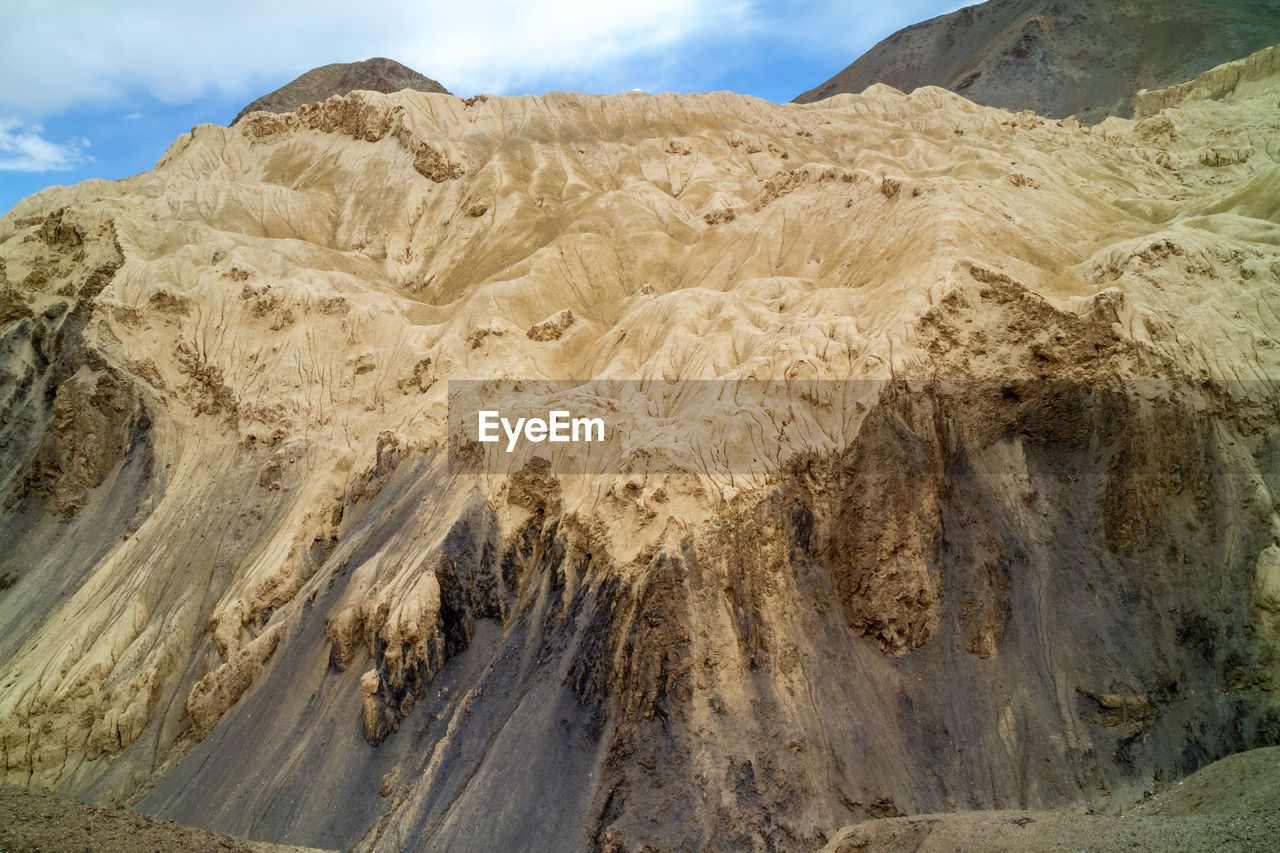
(236,550)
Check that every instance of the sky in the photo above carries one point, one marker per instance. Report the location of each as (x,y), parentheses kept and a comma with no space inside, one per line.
(96,89)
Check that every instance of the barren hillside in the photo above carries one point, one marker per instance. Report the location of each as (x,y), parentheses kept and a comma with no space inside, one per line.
(342,78)
(1059,58)
(1026,555)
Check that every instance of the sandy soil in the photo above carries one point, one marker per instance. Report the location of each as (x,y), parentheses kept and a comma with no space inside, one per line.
(1233,804)
(36,821)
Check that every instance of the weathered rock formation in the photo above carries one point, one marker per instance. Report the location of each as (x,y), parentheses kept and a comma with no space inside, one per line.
(342,78)
(1060,58)
(1032,565)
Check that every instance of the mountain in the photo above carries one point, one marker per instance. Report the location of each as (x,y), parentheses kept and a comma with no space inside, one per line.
(341,78)
(1085,58)
(942,471)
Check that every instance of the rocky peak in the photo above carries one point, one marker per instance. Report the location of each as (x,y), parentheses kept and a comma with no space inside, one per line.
(374,75)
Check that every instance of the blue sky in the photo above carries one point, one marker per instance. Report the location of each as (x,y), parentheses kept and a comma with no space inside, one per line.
(91,89)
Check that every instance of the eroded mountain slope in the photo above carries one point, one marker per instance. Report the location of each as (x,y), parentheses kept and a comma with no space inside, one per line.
(1085,58)
(1032,564)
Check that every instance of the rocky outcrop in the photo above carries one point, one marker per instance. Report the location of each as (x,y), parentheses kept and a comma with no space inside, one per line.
(70,415)
(1213,84)
(342,78)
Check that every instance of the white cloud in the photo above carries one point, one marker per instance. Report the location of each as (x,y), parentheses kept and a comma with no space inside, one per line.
(132,116)
(94,53)
(24,149)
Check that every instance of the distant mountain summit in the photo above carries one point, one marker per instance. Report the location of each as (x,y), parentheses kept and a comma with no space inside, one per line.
(318,84)
(1085,58)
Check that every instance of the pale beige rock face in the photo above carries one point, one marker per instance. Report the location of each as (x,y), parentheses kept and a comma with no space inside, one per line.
(248,351)
(1232,79)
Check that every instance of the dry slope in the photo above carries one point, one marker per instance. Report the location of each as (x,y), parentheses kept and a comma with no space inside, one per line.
(33,820)
(1057,58)
(1036,566)
(1229,805)
(341,78)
